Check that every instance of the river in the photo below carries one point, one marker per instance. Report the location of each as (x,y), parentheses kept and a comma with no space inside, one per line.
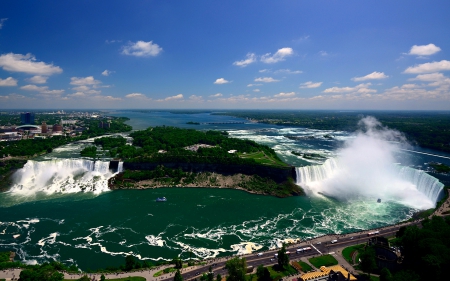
(98,229)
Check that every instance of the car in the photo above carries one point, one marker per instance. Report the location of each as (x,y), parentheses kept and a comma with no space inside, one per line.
(351,238)
(272,259)
(259,254)
(318,243)
(333,241)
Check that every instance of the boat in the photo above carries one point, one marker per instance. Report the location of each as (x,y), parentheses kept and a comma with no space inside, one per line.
(379,200)
(15,236)
(161,199)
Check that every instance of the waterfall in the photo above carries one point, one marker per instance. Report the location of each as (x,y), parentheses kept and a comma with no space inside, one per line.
(120,167)
(395,182)
(63,176)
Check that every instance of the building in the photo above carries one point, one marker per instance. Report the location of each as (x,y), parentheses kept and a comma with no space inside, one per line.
(384,255)
(27,118)
(57,128)
(44,128)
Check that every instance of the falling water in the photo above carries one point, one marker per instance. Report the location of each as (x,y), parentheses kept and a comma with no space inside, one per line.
(63,176)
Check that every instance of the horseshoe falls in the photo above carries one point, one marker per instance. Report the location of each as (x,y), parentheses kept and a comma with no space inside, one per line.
(63,176)
(405,185)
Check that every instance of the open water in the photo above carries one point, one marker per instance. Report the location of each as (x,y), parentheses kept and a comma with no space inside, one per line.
(94,230)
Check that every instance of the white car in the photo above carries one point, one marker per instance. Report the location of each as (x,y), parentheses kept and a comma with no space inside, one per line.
(259,254)
(318,243)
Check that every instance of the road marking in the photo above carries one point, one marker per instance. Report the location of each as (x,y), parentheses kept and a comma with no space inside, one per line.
(316,249)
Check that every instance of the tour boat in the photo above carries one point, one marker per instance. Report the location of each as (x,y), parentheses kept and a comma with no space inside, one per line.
(379,200)
(161,199)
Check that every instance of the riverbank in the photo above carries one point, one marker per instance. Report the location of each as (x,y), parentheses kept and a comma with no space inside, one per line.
(250,183)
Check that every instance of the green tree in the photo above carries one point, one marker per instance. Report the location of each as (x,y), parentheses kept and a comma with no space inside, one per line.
(102,278)
(178,263)
(44,272)
(237,268)
(263,274)
(385,275)
(178,276)
(84,278)
(219,277)
(130,263)
(368,263)
(283,258)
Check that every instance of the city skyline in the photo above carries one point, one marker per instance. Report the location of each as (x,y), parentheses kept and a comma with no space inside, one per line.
(222,55)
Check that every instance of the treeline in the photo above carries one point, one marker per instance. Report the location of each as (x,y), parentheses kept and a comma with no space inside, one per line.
(427,129)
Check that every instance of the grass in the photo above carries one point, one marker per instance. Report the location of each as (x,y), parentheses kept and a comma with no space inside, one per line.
(325,260)
(305,267)
(131,278)
(277,275)
(261,158)
(165,271)
(347,252)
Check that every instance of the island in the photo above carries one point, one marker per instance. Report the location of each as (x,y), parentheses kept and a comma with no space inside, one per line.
(174,157)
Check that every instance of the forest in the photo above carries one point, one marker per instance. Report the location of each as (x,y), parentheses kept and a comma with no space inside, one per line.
(424,128)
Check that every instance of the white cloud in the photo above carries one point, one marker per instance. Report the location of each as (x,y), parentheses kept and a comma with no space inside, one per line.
(38,79)
(264,70)
(284,95)
(323,54)
(27,64)
(84,81)
(42,90)
(141,49)
(135,95)
(429,67)
(310,85)
(280,55)
(177,97)
(196,98)
(221,81)
(12,96)
(266,79)
(361,88)
(256,90)
(216,95)
(252,85)
(372,76)
(8,82)
(251,58)
(424,50)
(107,72)
(2,21)
(107,98)
(288,71)
(429,77)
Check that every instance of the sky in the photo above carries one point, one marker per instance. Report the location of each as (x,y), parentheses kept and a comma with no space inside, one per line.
(284,54)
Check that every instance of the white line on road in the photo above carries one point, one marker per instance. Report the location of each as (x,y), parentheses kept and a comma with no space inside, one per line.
(316,248)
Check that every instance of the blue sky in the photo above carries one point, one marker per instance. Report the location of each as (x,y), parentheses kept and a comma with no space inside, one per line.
(317,54)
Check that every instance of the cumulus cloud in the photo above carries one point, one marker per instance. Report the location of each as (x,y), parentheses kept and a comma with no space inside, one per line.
(323,54)
(429,77)
(8,82)
(221,81)
(135,95)
(142,49)
(372,76)
(284,95)
(176,97)
(84,81)
(361,88)
(280,55)
(216,95)
(27,64)
(250,58)
(310,85)
(429,67)
(288,71)
(424,50)
(2,21)
(107,98)
(12,96)
(266,79)
(253,85)
(107,72)
(38,79)
(195,98)
(42,90)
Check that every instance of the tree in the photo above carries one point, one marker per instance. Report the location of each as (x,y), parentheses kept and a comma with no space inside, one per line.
(210,274)
(283,258)
(263,274)
(178,276)
(130,263)
(178,263)
(219,277)
(237,268)
(385,275)
(368,263)
(102,278)
(44,272)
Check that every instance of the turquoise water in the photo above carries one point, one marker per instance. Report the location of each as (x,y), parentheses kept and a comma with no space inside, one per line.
(97,230)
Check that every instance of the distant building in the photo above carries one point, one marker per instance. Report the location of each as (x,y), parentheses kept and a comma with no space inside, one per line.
(104,125)
(44,128)
(57,128)
(27,118)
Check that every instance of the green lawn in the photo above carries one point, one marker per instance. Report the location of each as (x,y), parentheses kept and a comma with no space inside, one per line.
(261,158)
(347,252)
(132,278)
(305,267)
(277,275)
(164,271)
(325,260)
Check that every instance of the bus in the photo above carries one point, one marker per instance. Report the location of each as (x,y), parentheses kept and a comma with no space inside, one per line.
(373,233)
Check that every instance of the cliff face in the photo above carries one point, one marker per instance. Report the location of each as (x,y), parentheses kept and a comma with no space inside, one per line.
(279,175)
